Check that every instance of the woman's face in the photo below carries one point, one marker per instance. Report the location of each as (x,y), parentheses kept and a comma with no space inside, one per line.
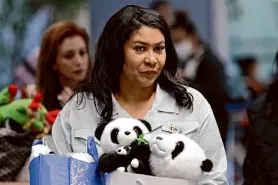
(145,56)
(178,35)
(72,60)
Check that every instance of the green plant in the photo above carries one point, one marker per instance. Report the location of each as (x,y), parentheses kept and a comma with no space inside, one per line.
(62,7)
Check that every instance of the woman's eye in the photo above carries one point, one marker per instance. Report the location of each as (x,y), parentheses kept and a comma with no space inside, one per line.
(69,56)
(159,48)
(139,48)
(82,53)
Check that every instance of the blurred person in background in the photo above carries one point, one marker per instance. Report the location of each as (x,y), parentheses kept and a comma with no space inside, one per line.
(249,67)
(201,67)
(165,9)
(261,161)
(63,63)
(249,71)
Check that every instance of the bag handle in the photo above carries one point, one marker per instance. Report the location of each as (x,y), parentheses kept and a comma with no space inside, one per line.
(91,148)
(37,142)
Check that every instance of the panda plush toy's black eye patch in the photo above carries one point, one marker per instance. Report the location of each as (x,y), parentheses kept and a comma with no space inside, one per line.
(207,165)
(178,149)
(137,130)
(114,135)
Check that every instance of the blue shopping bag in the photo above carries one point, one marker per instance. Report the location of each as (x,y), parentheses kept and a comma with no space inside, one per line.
(65,170)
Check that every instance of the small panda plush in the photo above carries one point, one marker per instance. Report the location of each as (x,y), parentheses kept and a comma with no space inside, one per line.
(178,156)
(136,156)
(118,133)
(139,154)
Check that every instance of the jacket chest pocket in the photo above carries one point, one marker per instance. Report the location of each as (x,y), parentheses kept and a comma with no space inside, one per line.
(80,137)
(184,127)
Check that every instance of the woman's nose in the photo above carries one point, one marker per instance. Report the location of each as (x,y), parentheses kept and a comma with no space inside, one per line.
(151,59)
(78,60)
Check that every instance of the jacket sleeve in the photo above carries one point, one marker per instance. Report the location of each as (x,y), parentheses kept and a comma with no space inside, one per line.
(61,133)
(210,140)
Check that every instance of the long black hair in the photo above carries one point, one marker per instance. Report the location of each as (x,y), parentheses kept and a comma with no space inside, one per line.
(183,20)
(109,58)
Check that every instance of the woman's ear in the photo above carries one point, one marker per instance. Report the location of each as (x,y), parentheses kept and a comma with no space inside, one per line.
(147,124)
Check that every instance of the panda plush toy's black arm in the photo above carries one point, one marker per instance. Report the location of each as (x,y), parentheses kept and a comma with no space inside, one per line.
(139,156)
(110,162)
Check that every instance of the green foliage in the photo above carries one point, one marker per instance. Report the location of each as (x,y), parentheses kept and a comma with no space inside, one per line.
(141,140)
(65,7)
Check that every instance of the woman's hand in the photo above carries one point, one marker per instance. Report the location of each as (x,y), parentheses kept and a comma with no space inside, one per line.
(30,90)
(64,96)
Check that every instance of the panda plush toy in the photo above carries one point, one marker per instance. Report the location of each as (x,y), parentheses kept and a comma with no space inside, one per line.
(138,154)
(178,156)
(115,139)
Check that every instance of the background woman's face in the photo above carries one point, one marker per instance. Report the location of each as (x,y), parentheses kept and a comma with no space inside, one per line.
(178,35)
(145,56)
(72,59)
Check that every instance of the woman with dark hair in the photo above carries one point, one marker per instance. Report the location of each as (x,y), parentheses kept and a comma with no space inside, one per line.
(261,162)
(135,76)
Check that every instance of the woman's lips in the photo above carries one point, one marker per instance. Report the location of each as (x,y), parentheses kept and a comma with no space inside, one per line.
(149,73)
(78,71)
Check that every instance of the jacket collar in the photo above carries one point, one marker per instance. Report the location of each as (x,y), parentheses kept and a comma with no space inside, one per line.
(163,102)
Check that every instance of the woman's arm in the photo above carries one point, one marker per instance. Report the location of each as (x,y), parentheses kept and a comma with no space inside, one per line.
(61,134)
(210,140)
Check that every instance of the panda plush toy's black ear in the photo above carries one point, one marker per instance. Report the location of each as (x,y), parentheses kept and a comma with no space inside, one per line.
(147,124)
(99,130)
(207,165)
